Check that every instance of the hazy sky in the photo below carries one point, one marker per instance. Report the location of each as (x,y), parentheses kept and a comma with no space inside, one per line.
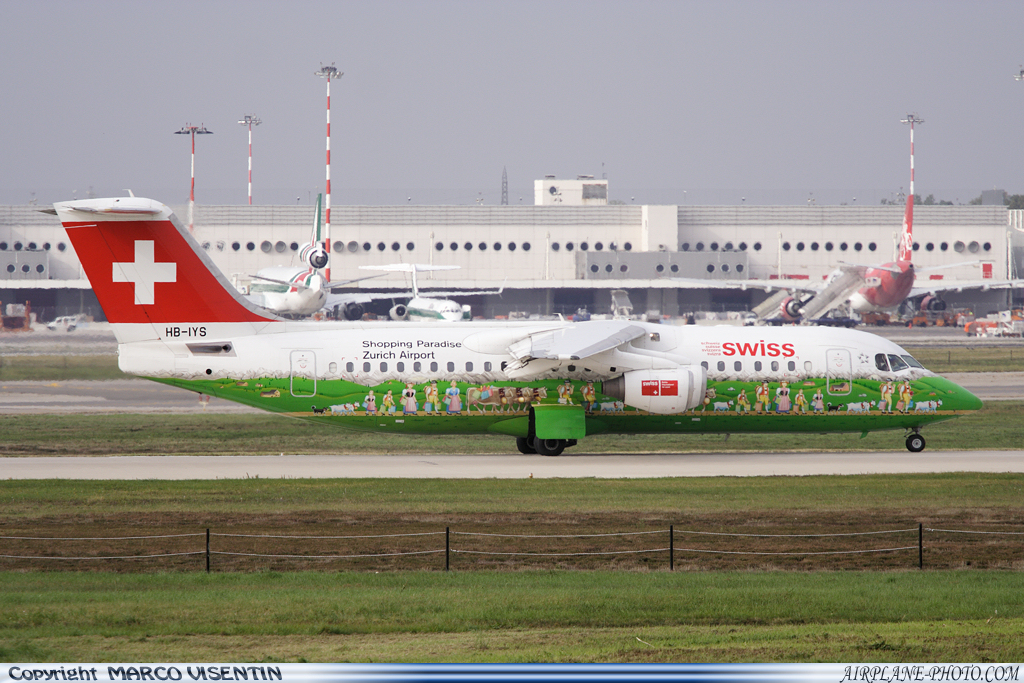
(675,102)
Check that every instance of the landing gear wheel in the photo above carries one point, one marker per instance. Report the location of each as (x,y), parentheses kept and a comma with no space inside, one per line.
(549,446)
(525,446)
(915,443)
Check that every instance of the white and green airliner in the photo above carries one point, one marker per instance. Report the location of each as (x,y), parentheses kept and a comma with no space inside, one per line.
(547,384)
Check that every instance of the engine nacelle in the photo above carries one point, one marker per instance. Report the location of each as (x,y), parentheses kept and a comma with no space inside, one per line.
(662,392)
(352,311)
(932,303)
(314,255)
(790,308)
(398,312)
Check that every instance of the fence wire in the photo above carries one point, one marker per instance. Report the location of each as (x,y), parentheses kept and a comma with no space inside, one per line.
(968,531)
(330,557)
(422,533)
(447,550)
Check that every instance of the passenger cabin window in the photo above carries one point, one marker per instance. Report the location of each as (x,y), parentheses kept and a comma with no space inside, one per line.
(737,366)
(897,363)
(350,367)
(808,367)
(332,367)
(775,366)
(881,363)
(383,367)
(721,366)
(469,366)
(487,366)
(791,365)
(433,367)
(451,366)
(417,366)
(366,367)
(757,365)
(400,367)
(704,364)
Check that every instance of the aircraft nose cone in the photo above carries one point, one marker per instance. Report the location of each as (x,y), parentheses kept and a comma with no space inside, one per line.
(953,396)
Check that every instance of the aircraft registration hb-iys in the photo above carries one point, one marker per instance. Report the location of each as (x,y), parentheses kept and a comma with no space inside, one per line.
(179,321)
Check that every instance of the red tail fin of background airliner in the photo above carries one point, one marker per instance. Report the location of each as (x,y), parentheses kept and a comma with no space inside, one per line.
(907,238)
(144,266)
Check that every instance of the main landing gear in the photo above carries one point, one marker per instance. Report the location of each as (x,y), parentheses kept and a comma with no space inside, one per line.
(915,442)
(550,447)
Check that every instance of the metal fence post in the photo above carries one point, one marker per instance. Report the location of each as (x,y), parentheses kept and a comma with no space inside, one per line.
(207,550)
(920,545)
(447,546)
(671,548)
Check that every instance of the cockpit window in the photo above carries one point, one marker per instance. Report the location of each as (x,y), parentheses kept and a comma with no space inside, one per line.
(912,362)
(897,363)
(881,363)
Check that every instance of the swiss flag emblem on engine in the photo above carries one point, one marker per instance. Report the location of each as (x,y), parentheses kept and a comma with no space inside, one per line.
(659,387)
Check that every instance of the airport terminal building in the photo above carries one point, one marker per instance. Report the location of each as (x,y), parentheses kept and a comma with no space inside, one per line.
(569,250)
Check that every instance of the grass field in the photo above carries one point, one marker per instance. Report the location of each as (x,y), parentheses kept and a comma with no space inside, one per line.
(962,616)
(516,612)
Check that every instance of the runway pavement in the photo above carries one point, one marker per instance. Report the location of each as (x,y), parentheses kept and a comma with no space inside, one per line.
(507,466)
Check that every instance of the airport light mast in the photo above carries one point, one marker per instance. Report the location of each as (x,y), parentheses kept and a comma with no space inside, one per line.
(328,72)
(250,120)
(912,119)
(189,129)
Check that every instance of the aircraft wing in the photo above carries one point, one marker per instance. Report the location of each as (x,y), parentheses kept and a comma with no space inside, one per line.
(286,283)
(938,286)
(464,292)
(575,342)
(361,298)
(766,285)
(337,285)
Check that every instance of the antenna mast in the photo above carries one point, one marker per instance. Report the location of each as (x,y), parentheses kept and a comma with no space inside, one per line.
(250,120)
(328,72)
(911,119)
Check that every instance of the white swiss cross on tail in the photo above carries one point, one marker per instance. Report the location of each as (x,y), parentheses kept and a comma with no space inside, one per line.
(144,272)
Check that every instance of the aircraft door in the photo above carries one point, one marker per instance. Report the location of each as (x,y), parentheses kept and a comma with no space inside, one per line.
(839,371)
(303,368)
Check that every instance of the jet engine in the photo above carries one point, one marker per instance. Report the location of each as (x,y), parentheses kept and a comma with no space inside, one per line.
(398,312)
(352,311)
(790,308)
(932,303)
(662,392)
(315,255)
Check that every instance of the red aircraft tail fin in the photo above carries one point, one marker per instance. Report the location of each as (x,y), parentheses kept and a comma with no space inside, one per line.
(146,268)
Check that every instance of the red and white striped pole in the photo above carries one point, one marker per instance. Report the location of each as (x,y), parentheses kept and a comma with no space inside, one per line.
(188,128)
(250,120)
(328,72)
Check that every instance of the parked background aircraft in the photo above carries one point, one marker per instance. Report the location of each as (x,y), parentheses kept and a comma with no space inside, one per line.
(178,321)
(865,288)
(298,291)
(422,308)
